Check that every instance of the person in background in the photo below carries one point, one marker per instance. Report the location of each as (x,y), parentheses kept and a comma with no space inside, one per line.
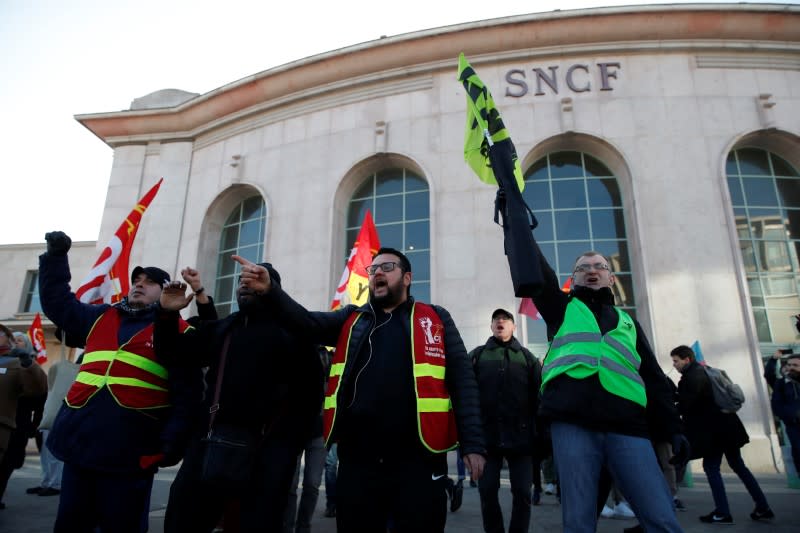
(298,516)
(60,377)
(712,434)
(21,382)
(785,398)
(509,377)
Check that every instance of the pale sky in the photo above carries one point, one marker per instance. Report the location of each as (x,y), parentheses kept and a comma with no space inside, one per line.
(61,58)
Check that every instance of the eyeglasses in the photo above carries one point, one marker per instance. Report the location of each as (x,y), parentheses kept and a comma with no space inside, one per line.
(385,267)
(586,267)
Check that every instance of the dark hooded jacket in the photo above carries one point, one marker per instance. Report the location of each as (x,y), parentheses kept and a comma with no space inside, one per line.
(785,395)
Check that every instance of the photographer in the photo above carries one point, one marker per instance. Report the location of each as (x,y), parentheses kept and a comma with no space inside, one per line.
(786,397)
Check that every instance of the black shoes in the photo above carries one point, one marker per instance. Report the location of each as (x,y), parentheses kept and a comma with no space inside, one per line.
(330,511)
(34,490)
(715,518)
(762,514)
(635,529)
(457,496)
(48,491)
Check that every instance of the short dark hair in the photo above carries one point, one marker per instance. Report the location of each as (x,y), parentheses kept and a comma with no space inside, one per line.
(793,356)
(683,351)
(589,253)
(405,264)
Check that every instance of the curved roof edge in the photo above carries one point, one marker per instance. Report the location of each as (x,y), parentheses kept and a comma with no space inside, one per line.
(625,28)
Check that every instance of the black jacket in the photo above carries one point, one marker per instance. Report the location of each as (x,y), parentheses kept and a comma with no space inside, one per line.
(324,328)
(272,381)
(785,398)
(509,377)
(585,402)
(708,429)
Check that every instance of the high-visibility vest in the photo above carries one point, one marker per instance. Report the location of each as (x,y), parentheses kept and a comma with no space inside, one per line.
(436,422)
(580,350)
(131,372)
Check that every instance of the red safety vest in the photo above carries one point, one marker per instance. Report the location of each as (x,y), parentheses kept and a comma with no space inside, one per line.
(131,372)
(436,422)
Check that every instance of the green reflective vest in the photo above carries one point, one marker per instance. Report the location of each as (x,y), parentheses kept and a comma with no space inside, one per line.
(579,350)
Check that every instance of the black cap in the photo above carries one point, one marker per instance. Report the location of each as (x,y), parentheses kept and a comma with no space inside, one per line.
(502,312)
(153,273)
(272,272)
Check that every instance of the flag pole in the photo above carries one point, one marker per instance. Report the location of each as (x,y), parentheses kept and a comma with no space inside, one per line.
(524,329)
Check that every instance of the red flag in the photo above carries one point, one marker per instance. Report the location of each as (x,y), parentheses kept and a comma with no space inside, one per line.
(108,281)
(36,334)
(353,287)
(567,285)
(528,308)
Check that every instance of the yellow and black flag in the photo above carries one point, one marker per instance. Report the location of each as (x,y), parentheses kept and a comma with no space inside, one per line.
(489,151)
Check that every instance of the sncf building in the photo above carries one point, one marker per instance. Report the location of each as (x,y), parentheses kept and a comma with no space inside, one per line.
(666,137)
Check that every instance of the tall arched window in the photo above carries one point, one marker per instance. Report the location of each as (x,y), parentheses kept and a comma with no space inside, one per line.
(765,194)
(578,204)
(400,205)
(242,234)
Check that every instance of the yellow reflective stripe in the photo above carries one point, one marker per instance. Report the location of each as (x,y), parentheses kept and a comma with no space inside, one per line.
(429,370)
(433,405)
(99,355)
(134,382)
(330,402)
(143,363)
(87,378)
(337,369)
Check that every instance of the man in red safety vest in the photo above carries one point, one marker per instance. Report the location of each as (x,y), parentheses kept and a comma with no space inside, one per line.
(401,393)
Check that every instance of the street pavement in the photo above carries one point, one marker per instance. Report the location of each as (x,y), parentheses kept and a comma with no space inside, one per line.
(35,514)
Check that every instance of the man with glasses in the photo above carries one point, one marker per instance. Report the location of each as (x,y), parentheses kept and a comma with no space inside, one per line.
(508,377)
(401,393)
(599,381)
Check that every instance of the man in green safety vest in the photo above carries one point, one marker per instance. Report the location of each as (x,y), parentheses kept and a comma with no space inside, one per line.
(599,379)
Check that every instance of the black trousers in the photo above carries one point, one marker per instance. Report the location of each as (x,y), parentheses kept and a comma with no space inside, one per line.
(405,494)
(520,472)
(195,506)
(112,503)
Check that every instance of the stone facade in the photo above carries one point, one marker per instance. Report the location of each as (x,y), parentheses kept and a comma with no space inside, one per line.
(660,94)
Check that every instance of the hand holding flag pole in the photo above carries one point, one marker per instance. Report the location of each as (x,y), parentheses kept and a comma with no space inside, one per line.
(490,153)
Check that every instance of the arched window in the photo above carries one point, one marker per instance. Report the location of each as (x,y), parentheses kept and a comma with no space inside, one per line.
(765,195)
(242,234)
(400,205)
(578,204)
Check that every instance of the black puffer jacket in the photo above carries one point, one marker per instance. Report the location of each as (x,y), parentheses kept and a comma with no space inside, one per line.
(585,402)
(324,328)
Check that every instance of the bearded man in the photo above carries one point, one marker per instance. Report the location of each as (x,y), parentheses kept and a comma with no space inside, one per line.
(401,393)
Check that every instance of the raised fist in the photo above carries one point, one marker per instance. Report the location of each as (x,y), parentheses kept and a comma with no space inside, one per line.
(58,243)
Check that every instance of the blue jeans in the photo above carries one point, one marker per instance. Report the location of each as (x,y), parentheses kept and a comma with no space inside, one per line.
(711,463)
(460,468)
(580,454)
(331,464)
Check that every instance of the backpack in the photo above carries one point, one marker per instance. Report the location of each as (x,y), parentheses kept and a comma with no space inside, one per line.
(727,395)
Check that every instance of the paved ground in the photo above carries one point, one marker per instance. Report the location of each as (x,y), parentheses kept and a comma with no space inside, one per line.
(35,514)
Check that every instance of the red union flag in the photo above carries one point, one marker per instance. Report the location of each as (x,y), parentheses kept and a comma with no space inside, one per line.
(353,287)
(108,281)
(36,334)
(527,307)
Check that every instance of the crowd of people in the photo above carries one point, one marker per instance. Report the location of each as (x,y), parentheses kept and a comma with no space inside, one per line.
(239,400)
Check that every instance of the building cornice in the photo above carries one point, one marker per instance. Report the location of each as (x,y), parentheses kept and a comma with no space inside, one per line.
(408,61)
